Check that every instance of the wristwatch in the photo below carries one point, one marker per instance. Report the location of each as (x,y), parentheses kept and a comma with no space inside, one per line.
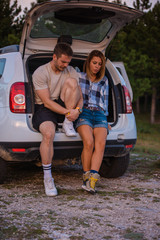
(79,109)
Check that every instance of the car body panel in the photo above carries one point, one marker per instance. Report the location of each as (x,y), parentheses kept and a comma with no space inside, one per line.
(122,70)
(13,71)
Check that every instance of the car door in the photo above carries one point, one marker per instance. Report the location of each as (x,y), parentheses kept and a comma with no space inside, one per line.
(91,25)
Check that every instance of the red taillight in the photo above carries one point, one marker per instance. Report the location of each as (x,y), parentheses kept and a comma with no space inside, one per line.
(128,102)
(17,98)
(129,146)
(18,149)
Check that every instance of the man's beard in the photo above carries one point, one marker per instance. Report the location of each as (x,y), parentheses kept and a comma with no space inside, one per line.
(59,68)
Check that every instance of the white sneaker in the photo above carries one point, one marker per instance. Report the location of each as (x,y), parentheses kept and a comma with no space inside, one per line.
(50,188)
(68,128)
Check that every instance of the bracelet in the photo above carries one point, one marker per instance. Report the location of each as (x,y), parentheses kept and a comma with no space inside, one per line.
(79,109)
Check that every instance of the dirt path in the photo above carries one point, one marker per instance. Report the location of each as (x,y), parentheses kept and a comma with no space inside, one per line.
(124,208)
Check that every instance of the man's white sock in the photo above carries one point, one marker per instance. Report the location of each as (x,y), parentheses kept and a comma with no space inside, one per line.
(47,170)
(66,120)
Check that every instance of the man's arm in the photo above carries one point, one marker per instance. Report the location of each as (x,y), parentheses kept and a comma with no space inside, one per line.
(48,103)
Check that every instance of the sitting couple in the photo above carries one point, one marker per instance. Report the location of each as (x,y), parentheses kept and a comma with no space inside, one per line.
(62,94)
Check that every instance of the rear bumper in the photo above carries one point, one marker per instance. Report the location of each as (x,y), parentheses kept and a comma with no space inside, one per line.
(116,149)
(29,151)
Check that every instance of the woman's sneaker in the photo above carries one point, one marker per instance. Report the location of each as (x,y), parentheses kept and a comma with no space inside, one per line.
(86,185)
(93,178)
(50,188)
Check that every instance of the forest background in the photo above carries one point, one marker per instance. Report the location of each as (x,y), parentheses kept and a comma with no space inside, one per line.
(137,45)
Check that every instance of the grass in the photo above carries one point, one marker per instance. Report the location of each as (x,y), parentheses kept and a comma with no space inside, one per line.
(148,165)
(134,236)
(148,135)
(145,157)
(12,231)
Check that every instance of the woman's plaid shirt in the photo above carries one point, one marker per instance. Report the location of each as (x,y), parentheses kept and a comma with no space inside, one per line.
(95,93)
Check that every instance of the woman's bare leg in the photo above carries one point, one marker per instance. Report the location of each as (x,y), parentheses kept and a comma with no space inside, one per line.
(100,136)
(86,133)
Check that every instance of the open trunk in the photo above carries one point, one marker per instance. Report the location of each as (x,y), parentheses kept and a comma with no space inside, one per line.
(116,103)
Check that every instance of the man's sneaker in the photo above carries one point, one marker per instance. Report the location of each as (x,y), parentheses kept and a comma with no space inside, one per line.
(93,178)
(86,185)
(68,129)
(50,188)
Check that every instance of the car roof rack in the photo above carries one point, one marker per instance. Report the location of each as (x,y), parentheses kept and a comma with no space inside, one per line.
(8,49)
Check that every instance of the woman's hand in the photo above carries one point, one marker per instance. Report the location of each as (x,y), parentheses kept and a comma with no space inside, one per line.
(109,127)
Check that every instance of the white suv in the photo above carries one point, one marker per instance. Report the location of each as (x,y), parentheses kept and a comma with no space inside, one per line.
(86,25)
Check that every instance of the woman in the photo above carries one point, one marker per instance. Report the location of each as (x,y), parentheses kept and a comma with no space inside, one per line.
(92,123)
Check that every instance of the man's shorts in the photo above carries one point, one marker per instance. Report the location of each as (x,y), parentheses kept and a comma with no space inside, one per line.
(93,118)
(43,114)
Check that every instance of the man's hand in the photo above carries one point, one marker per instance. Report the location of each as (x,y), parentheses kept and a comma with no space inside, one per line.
(72,115)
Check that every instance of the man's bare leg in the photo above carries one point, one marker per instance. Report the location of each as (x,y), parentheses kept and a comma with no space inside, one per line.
(70,93)
(71,96)
(47,130)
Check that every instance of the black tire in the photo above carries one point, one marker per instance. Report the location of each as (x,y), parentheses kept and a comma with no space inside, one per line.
(114,167)
(3,170)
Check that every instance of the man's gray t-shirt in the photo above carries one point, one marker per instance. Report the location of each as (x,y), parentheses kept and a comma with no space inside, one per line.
(44,77)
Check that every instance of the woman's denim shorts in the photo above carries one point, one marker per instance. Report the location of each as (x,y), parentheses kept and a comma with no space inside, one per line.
(93,118)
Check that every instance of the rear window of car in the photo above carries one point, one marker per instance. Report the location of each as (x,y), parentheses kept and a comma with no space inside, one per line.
(48,26)
(2,65)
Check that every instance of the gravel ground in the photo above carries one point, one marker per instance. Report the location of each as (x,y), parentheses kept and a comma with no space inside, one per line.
(124,208)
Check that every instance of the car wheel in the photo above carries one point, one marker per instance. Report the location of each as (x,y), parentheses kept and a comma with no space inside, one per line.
(3,170)
(114,167)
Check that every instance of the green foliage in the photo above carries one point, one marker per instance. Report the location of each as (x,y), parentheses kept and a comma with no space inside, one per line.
(40,1)
(142,5)
(138,46)
(9,22)
(152,43)
(136,64)
(148,135)
(13,39)
(117,1)
(137,69)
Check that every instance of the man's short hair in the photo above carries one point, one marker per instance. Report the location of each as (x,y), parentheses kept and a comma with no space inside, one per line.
(63,48)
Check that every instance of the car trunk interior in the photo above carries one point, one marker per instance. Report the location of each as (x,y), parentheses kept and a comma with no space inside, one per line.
(36,60)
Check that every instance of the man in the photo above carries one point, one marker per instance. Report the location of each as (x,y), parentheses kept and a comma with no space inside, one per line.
(57,94)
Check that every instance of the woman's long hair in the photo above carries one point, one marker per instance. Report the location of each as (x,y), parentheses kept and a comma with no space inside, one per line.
(86,67)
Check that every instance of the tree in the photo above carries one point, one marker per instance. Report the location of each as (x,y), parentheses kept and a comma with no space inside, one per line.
(117,1)
(40,1)
(137,67)
(138,45)
(142,4)
(152,47)
(9,22)
(136,64)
